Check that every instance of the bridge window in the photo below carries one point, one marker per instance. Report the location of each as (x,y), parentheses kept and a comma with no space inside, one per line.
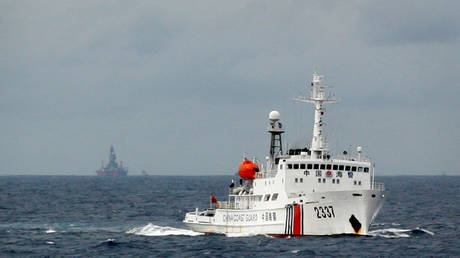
(360,169)
(341,167)
(309,166)
(316,166)
(289,166)
(267,197)
(323,166)
(335,167)
(302,166)
(328,166)
(353,169)
(366,170)
(274,197)
(296,166)
(347,168)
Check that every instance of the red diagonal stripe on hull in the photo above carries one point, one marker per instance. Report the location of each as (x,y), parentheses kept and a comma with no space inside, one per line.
(296,219)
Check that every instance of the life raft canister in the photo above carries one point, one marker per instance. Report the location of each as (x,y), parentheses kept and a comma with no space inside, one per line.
(248,169)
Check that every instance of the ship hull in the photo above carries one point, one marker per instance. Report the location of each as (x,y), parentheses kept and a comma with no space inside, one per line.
(112,173)
(328,213)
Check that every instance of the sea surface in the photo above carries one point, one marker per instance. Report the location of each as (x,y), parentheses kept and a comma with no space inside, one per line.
(88,216)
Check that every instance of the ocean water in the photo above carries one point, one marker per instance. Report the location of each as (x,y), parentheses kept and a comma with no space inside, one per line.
(142,216)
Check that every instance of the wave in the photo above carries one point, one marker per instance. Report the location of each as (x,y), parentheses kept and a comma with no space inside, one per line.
(399,233)
(109,242)
(383,224)
(50,230)
(155,230)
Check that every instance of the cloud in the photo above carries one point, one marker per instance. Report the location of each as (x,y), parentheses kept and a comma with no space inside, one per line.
(187,86)
(407,22)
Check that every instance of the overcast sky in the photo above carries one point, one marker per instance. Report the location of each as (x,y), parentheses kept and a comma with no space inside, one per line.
(185,87)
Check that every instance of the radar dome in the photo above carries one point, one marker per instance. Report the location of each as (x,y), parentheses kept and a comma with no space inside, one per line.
(274,116)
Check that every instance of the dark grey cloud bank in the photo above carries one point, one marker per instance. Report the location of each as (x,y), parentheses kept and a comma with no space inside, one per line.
(186,87)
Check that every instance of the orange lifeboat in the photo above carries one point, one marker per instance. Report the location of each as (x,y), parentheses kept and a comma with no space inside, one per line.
(248,169)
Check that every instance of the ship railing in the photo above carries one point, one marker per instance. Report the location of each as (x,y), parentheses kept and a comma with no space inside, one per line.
(233,205)
(267,173)
(379,186)
(227,205)
(352,158)
(260,175)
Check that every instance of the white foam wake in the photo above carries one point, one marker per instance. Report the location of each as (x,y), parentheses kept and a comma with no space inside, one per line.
(426,231)
(390,232)
(154,230)
(49,231)
(397,232)
(246,234)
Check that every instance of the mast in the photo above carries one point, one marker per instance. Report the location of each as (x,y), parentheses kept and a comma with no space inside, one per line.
(318,97)
(275,129)
(112,158)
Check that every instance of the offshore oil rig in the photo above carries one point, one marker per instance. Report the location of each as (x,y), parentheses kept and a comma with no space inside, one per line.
(112,168)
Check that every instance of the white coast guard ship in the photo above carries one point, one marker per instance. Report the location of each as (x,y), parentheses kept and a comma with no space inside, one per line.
(301,192)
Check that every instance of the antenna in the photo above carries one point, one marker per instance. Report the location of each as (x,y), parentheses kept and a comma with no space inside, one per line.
(359,149)
(275,129)
(318,97)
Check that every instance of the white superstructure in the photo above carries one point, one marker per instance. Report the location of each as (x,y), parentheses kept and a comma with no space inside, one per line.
(301,192)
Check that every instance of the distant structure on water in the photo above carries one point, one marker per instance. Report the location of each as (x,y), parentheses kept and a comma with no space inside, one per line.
(112,168)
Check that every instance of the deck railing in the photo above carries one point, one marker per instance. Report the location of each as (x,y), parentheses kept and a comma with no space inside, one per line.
(234,205)
(260,175)
(227,205)
(379,186)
